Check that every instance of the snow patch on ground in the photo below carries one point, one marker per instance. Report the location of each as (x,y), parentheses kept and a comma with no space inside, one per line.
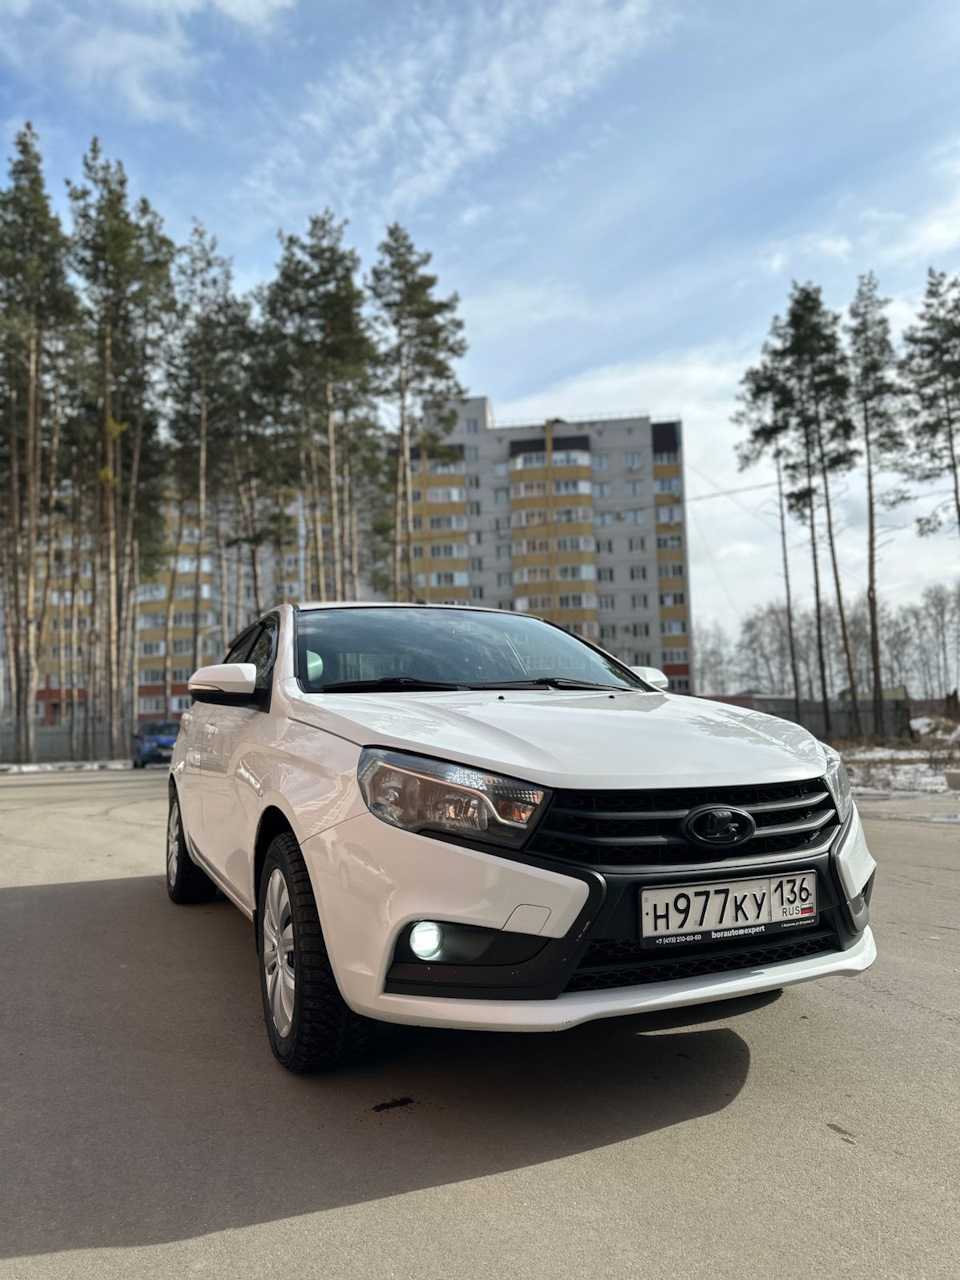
(874,770)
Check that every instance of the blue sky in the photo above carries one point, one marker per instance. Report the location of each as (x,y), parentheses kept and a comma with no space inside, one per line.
(620,190)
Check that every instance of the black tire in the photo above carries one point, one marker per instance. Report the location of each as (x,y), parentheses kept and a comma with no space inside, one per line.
(323,1031)
(186,882)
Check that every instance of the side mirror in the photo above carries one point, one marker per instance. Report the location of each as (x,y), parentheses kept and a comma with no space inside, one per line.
(652,675)
(225,683)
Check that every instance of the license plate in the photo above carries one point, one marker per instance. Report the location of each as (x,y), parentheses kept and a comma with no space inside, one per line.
(165,753)
(727,909)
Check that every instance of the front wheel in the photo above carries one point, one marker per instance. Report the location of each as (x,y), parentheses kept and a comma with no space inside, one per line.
(186,882)
(310,1025)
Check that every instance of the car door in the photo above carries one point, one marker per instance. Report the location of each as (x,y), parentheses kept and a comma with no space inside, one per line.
(225,837)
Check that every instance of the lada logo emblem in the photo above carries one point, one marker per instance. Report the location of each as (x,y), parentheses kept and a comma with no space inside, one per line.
(718,827)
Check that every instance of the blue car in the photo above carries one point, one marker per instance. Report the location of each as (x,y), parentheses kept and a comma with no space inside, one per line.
(154,743)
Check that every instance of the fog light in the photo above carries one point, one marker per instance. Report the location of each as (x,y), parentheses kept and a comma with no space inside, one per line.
(426,939)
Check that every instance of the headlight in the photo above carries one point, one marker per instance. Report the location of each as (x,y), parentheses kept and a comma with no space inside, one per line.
(838,783)
(429,795)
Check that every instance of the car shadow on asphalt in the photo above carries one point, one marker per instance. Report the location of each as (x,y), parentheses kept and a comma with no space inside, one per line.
(141,1103)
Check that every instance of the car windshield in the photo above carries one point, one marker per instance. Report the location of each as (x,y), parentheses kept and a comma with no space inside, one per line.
(160,729)
(460,648)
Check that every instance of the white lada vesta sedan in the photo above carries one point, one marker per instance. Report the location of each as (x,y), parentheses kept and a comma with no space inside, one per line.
(466,818)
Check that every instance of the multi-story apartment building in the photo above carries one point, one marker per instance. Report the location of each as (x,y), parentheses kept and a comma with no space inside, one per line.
(581,523)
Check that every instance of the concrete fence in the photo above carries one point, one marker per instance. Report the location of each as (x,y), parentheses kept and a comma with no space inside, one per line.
(896,714)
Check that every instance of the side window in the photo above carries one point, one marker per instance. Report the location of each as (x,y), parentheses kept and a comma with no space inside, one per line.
(263,652)
(240,647)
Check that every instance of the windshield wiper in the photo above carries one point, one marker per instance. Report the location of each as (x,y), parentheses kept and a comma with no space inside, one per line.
(389,684)
(549,682)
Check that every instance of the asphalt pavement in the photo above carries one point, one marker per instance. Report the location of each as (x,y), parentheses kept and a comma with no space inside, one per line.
(145,1129)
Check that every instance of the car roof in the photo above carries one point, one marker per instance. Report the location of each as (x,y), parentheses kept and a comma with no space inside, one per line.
(307,606)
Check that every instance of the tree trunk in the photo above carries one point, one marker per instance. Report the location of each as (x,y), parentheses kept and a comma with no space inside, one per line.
(825,701)
(841,612)
(75,526)
(878,725)
(225,632)
(319,547)
(334,497)
(786,580)
(111,688)
(32,478)
(408,488)
(128,628)
(347,522)
(168,619)
(398,528)
(201,523)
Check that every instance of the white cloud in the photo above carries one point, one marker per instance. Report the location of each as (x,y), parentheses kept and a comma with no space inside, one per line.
(133,55)
(142,70)
(249,13)
(448,89)
(799,252)
(475,213)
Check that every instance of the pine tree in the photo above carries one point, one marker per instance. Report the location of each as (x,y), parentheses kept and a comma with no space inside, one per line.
(875,397)
(37,304)
(323,357)
(931,373)
(420,337)
(805,374)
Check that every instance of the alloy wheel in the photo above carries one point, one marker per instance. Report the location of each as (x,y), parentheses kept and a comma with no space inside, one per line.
(278,957)
(173,842)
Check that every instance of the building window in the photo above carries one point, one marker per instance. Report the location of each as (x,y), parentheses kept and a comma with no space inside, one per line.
(573,486)
(665,459)
(676,655)
(633,461)
(440,523)
(606,604)
(603,490)
(638,573)
(152,648)
(634,516)
(670,570)
(522,489)
(638,544)
(476,593)
(504,579)
(605,546)
(473,508)
(476,564)
(670,599)
(448,551)
(679,684)
(576,572)
(601,461)
(417,553)
(670,542)
(669,515)
(501,469)
(639,601)
(601,519)
(605,575)
(453,494)
(634,488)
(673,627)
(473,482)
(471,453)
(524,461)
(571,458)
(667,484)
(473,426)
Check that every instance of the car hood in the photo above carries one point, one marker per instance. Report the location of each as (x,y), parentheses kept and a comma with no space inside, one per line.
(575,739)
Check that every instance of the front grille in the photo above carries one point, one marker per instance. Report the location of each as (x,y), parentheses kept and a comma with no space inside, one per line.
(614,963)
(643,828)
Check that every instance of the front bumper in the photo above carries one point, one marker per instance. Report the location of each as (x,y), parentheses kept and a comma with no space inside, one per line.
(372,880)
